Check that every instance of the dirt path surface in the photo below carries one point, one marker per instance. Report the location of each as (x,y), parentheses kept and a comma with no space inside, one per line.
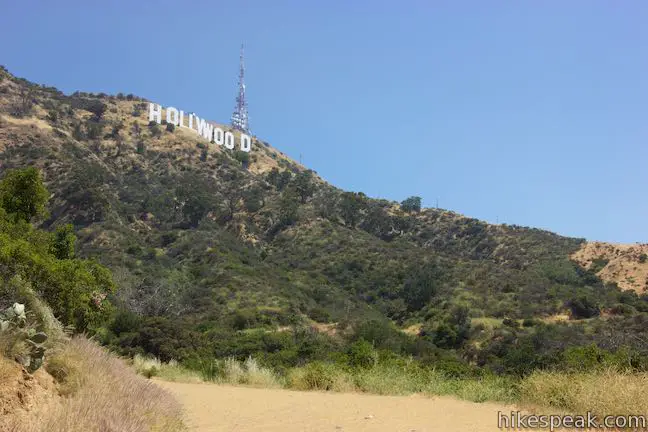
(211,407)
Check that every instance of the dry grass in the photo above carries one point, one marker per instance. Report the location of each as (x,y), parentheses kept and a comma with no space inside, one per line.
(258,376)
(171,371)
(7,369)
(104,395)
(227,371)
(625,265)
(604,393)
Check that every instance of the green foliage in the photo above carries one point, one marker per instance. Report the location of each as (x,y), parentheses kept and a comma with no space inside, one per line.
(75,289)
(243,157)
(421,285)
(318,376)
(304,185)
(350,206)
(94,129)
(584,307)
(125,321)
(20,340)
(78,132)
(23,194)
(411,204)
(451,331)
(194,200)
(362,355)
(598,264)
(62,246)
(207,268)
(95,106)
(279,179)
(253,200)
(155,129)
(288,207)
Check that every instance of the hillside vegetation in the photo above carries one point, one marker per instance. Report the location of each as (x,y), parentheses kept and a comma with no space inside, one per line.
(219,254)
(48,381)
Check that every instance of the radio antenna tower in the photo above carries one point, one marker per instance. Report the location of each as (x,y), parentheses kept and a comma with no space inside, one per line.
(240,114)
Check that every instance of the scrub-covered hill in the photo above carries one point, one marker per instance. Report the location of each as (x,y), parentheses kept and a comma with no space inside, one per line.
(212,250)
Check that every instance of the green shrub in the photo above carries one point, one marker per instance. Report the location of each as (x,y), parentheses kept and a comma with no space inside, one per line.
(411,204)
(584,307)
(314,376)
(362,355)
(529,322)
(23,194)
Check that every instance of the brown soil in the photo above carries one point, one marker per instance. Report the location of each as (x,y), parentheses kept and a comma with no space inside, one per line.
(22,394)
(211,407)
(624,267)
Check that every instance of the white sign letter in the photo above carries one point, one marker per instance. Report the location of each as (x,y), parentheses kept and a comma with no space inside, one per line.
(191,116)
(229,140)
(172,116)
(155,113)
(246,143)
(204,128)
(218,136)
(181,122)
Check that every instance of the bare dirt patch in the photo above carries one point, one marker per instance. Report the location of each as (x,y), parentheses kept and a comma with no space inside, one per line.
(624,264)
(210,407)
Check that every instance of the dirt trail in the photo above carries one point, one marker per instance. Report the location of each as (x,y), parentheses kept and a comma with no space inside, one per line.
(211,407)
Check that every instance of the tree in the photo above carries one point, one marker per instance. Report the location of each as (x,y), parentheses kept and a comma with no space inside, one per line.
(62,246)
(23,194)
(452,330)
(422,284)
(193,199)
(411,204)
(362,355)
(253,199)
(350,206)
(288,207)
(304,185)
(155,129)
(243,157)
(583,307)
(23,107)
(377,222)
(279,179)
(232,199)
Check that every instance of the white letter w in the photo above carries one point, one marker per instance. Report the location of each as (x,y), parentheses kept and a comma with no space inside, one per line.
(204,128)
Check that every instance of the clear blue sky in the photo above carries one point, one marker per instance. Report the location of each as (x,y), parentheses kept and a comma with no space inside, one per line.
(528,112)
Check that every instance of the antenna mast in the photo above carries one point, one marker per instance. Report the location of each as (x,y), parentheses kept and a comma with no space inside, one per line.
(240,114)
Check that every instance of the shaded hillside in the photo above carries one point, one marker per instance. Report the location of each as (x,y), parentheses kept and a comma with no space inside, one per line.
(202,235)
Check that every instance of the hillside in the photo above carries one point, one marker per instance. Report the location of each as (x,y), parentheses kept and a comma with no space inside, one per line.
(209,250)
(624,265)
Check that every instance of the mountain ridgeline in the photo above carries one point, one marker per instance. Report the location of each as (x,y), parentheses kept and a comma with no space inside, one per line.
(217,252)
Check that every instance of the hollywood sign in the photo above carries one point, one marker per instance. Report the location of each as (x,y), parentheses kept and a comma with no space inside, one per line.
(201,126)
